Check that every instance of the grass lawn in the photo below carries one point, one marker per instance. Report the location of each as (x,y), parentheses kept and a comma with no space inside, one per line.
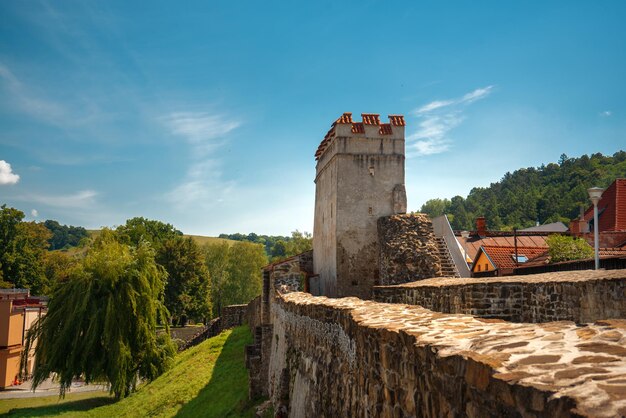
(209,380)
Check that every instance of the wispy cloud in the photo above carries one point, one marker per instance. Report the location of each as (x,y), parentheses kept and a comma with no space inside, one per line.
(27,101)
(80,200)
(34,213)
(204,132)
(606,113)
(437,119)
(7,176)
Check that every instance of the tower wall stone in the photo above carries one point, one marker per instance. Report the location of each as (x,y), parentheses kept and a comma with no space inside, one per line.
(359,178)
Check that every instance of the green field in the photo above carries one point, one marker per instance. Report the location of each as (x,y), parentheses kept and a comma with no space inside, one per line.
(201,240)
(209,380)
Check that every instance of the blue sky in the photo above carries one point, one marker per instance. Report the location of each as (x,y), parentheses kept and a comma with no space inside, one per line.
(207,114)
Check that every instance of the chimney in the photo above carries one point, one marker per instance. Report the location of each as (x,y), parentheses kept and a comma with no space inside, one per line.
(575,227)
(481,226)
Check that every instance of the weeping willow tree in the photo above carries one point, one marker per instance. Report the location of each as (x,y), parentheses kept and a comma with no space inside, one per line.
(101,323)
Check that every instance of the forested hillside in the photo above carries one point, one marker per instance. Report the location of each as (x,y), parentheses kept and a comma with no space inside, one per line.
(549,193)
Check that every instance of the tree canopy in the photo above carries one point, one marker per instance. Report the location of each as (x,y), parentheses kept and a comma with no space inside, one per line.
(566,248)
(22,249)
(64,236)
(549,193)
(141,229)
(277,246)
(235,272)
(101,324)
(187,293)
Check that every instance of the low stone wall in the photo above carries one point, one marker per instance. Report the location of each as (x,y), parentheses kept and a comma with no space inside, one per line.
(348,357)
(579,296)
(407,249)
(233,315)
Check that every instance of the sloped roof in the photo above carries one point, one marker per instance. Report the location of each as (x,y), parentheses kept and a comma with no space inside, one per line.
(503,256)
(551,227)
(473,244)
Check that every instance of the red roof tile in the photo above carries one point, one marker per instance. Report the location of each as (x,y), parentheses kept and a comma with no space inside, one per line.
(370,118)
(345,118)
(385,129)
(397,120)
(358,128)
(473,244)
(503,257)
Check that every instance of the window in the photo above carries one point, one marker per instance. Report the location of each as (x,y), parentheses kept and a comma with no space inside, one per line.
(479,267)
(521,258)
(486,266)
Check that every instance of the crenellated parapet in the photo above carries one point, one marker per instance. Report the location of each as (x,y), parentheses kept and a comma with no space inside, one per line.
(369,127)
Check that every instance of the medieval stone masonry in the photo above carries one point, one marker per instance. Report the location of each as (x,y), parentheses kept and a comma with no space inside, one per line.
(359,178)
(414,343)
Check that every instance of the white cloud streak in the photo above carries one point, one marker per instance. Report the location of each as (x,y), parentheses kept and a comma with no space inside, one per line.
(437,119)
(34,213)
(204,131)
(203,185)
(80,200)
(7,176)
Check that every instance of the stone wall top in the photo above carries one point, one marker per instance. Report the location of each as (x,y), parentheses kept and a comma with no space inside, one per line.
(586,364)
(561,276)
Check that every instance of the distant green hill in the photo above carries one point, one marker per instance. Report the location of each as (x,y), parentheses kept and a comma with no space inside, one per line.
(549,193)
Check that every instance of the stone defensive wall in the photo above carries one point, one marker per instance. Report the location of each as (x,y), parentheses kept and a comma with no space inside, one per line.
(353,358)
(579,296)
(407,249)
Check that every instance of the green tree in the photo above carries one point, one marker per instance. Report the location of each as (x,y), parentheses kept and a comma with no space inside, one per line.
(245,262)
(566,248)
(22,249)
(235,272)
(64,236)
(435,207)
(141,229)
(299,243)
(57,267)
(101,324)
(187,293)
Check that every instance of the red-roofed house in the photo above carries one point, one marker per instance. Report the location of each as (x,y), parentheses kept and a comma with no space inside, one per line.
(501,260)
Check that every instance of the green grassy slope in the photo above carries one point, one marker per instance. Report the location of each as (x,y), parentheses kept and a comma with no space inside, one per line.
(209,380)
(201,240)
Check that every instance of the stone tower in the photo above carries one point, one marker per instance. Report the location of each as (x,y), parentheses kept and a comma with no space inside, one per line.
(359,178)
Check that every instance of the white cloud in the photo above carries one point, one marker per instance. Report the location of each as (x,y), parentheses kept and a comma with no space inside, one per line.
(7,176)
(202,130)
(434,105)
(79,200)
(437,119)
(203,185)
(34,213)
(606,113)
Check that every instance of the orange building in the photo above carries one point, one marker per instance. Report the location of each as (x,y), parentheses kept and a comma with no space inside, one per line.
(18,311)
